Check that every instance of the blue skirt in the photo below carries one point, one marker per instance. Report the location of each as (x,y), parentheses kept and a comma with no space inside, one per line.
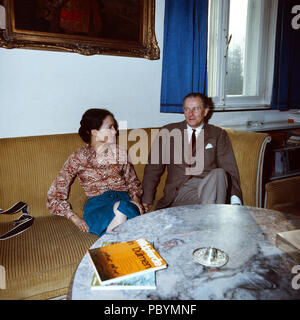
(98,211)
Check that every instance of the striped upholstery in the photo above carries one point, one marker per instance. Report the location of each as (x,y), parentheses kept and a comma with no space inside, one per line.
(40,262)
(249,150)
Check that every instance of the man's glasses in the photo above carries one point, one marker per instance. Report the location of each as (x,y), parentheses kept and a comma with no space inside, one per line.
(194,110)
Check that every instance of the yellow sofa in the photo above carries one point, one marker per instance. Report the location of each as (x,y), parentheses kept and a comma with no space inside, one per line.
(40,262)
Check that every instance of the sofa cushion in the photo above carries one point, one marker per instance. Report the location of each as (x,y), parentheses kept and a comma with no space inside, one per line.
(40,262)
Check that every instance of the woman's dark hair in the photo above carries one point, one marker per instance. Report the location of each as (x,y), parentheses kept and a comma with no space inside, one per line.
(93,119)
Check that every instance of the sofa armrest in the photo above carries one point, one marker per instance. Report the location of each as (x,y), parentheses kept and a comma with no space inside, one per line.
(249,150)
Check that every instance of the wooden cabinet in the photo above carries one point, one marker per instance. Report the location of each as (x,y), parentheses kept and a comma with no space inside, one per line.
(282,158)
(281,169)
(286,162)
(281,172)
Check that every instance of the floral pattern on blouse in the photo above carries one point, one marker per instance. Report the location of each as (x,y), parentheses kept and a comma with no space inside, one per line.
(107,169)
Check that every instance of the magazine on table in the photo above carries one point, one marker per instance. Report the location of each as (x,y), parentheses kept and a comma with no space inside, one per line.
(145,281)
(124,260)
(289,242)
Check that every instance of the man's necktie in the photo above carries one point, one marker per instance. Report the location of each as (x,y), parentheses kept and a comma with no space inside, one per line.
(194,143)
(193,147)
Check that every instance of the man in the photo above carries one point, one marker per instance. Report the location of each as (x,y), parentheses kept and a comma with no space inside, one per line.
(218,180)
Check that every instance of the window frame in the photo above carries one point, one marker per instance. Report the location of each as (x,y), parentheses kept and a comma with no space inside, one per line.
(216,58)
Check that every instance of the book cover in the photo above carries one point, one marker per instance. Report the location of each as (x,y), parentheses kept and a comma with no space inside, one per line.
(278,163)
(289,242)
(293,142)
(123,260)
(295,138)
(144,281)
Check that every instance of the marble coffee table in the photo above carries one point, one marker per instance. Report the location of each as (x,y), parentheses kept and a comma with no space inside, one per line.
(256,268)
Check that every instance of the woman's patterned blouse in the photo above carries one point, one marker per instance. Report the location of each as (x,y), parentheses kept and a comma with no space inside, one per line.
(107,169)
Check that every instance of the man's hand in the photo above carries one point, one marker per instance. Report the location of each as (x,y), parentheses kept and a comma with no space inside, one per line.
(146,207)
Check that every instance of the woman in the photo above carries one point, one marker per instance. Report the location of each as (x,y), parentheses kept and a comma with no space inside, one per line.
(105,174)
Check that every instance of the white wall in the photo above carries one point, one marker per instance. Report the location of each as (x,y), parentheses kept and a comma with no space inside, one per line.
(43,92)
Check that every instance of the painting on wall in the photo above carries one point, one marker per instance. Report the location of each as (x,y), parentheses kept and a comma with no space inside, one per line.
(114,27)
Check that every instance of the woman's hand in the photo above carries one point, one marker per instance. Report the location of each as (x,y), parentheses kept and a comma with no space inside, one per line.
(137,202)
(80,223)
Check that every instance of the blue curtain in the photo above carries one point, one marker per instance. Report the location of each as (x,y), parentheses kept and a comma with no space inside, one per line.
(184,52)
(286,90)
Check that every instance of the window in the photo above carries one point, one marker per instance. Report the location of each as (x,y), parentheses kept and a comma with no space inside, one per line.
(241,43)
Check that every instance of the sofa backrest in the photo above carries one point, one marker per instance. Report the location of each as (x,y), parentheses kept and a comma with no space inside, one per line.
(30,164)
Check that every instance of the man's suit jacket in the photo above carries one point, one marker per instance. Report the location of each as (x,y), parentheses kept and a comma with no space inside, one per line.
(218,153)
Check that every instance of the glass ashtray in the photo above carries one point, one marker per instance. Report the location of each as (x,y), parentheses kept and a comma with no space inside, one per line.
(210,257)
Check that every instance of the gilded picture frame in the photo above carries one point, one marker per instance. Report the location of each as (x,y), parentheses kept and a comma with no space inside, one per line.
(88,27)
